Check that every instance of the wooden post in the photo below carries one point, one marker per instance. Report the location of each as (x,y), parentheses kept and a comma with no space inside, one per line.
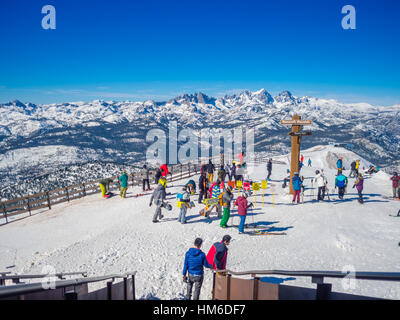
(48,200)
(29,207)
(5,212)
(84,190)
(295,155)
(66,190)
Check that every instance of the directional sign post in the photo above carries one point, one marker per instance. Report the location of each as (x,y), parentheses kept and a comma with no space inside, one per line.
(296,134)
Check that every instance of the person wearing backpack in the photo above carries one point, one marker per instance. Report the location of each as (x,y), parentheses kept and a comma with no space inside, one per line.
(183,203)
(296,183)
(341,182)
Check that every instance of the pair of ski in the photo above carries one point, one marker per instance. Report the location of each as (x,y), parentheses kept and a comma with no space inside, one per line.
(256,232)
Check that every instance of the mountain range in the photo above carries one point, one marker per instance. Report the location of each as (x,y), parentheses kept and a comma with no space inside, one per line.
(37,139)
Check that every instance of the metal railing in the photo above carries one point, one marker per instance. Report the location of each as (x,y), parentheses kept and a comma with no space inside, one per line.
(323,290)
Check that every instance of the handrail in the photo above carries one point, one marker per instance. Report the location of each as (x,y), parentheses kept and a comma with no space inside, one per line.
(21,289)
(384,276)
(34,276)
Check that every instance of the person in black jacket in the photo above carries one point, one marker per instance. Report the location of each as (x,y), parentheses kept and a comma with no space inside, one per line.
(203,184)
(210,171)
(269,168)
(158,176)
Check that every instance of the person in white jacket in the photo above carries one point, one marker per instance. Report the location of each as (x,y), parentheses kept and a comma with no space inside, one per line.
(321,183)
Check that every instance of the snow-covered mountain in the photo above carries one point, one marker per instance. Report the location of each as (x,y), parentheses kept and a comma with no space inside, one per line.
(36,138)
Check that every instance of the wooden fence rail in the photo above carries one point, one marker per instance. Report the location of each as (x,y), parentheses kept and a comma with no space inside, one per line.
(49,198)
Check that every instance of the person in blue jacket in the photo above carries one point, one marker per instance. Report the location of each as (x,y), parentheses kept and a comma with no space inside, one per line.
(341,182)
(339,165)
(296,183)
(195,260)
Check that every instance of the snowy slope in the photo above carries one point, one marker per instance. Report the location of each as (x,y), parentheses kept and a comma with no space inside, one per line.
(116,235)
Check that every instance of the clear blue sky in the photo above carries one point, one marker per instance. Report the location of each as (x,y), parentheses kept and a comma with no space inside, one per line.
(134,50)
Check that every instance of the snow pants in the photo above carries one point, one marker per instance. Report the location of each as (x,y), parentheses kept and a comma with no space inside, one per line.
(157,214)
(197,280)
(341,192)
(225,217)
(146,181)
(122,192)
(296,194)
(182,214)
(395,192)
(321,193)
(269,174)
(210,177)
(241,224)
(103,190)
(360,197)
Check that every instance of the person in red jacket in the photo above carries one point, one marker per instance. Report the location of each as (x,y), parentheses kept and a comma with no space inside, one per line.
(241,203)
(218,253)
(164,170)
(395,184)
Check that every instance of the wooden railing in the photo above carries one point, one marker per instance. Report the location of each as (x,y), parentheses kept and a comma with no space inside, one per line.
(49,198)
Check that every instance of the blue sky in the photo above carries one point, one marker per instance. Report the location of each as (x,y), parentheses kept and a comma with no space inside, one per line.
(137,50)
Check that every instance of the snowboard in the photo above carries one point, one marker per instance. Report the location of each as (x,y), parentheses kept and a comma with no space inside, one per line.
(263,233)
(210,202)
(109,195)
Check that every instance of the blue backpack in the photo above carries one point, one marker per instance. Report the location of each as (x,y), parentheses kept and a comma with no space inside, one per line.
(179,196)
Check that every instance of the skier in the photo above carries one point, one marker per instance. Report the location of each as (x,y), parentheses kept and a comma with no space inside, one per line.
(123,179)
(395,184)
(195,260)
(191,185)
(159,196)
(218,253)
(296,183)
(210,171)
(241,203)
(359,184)
(203,186)
(301,158)
(339,165)
(228,172)
(215,192)
(239,173)
(221,174)
(157,176)
(321,182)
(183,203)
(105,187)
(146,178)
(226,203)
(269,169)
(357,166)
(309,162)
(341,183)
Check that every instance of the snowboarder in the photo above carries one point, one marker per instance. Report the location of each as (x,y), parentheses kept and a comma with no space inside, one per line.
(159,195)
(359,184)
(296,183)
(269,169)
(124,184)
(339,165)
(309,162)
(195,260)
(353,172)
(233,171)
(321,182)
(105,187)
(157,176)
(226,203)
(146,178)
(210,171)
(341,182)
(373,169)
(228,172)
(203,186)
(183,203)
(221,174)
(395,184)
(241,203)
(218,254)
(215,192)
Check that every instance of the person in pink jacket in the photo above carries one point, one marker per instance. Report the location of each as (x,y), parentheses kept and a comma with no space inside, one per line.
(242,204)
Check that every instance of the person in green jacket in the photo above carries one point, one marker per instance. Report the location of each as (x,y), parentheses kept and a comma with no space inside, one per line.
(124,184)
(105,186)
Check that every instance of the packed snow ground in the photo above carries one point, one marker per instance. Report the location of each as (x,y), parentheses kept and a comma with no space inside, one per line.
(104,236)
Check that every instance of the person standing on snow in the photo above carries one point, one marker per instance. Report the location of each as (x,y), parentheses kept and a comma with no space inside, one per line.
(203,186)
(241,203)
(321,182)
(309,162)
(227,197)
(146,179)
(353,172)
(195,260)
(269,168)
(164,170)
(296,183)
(215,191)
(184,205)
(339,165)
(105,186)
(395,184)
(341,183)
(233,171)
(301,158)
(210,171)
(218,254)
(228,172)
(123,179)
(157,176)
(221,174)
(357,166)
(359,184)
(159,195)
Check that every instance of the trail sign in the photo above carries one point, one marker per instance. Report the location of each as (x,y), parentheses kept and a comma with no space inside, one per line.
(296,134)
(264,184)
(256,186)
